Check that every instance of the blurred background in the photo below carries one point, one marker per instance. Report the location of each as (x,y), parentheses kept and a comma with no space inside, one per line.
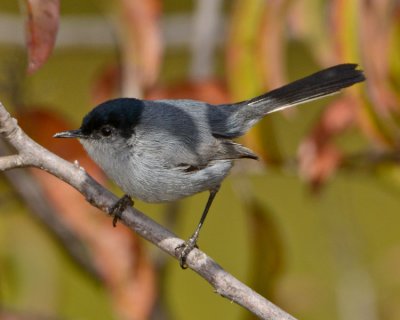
(313,226)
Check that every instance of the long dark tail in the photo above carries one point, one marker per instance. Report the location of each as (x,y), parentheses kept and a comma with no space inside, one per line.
(243,115)
(319,84)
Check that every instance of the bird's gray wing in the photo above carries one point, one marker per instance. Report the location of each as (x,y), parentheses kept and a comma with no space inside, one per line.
(221,150)
(180,133)
(229,150)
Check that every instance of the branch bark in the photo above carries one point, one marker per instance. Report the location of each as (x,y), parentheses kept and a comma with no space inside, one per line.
(31,154)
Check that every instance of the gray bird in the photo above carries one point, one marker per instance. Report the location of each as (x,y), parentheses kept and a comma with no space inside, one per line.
(165,150)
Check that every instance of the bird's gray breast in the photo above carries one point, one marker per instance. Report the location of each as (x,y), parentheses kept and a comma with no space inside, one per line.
(168,139)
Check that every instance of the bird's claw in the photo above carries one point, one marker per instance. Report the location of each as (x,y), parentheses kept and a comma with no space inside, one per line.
(119,207)
(183,251)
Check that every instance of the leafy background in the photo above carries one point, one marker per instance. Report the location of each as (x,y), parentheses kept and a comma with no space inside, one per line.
(314,226)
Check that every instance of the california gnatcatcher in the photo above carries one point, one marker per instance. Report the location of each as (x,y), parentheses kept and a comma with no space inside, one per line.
(165,150)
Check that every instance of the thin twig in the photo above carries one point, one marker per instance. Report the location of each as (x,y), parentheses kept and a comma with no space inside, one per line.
(223,282)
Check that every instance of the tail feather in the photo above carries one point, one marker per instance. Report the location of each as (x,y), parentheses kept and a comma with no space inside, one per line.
(243,115)
(319,84)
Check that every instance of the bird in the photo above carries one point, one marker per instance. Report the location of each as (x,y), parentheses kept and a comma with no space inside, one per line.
(165,150)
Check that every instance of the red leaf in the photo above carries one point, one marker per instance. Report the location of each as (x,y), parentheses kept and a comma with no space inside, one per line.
(318,164)
(318,156)
(141,45)
(41,30)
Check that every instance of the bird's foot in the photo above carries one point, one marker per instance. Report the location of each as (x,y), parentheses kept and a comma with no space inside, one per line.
(119,207)
(183,251)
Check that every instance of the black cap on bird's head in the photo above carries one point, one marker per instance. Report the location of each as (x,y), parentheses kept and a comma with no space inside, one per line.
(118,115)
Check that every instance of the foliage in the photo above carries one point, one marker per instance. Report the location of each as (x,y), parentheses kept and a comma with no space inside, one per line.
(319,254)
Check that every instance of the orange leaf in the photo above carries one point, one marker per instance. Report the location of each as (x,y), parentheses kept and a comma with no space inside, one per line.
(41,29)
(141,44)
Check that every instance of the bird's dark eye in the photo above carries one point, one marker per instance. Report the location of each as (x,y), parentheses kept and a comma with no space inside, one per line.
(106,131)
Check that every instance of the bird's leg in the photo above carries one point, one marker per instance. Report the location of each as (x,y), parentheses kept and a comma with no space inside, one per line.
(185,248)
(119,207)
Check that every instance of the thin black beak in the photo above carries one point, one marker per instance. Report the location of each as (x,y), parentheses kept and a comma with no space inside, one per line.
(70,134)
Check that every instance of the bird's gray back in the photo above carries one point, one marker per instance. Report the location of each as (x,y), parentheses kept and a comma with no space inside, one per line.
(181,130)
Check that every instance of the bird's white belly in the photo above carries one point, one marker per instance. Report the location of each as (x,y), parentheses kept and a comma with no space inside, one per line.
(158,184)
(149,179)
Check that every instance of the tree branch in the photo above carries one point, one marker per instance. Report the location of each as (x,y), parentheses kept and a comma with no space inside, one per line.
(32,154)
(32,194)
(11,162)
